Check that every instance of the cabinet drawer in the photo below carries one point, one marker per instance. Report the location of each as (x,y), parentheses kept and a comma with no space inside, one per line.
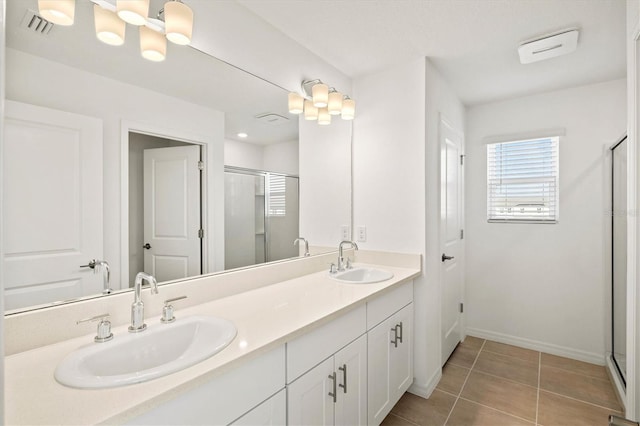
(389,303)
(224,398)
(309,350)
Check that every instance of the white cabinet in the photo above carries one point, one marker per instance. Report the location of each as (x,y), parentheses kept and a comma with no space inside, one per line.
(390,363)
(272,412)
(333,392)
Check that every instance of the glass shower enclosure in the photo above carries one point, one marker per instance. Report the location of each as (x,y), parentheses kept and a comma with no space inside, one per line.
(261,216)
(619,258)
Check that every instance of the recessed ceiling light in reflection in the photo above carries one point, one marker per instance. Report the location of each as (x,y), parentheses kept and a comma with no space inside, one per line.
(242,135)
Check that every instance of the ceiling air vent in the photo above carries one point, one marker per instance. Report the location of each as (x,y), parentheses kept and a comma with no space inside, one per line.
(32,21)
(548,46)
(271,118)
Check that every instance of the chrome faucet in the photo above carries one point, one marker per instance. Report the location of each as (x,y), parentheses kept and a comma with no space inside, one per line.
(137,307)
(341,263)
(306,245)
(106,289)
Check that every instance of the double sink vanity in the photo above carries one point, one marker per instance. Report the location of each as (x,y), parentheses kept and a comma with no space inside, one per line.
(284,343)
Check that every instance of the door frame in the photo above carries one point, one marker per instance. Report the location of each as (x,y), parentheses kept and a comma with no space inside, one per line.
(207,211)
(443,121)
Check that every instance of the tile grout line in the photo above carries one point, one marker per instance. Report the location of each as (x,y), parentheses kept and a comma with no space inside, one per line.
(465,382)
(580,400)
(538,390)
(496,410)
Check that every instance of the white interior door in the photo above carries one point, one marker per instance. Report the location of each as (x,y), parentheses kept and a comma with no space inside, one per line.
(451,226)
(172,212)
(52,208)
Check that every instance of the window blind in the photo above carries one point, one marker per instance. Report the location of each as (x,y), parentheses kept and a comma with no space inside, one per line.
(522,181)
(277,195)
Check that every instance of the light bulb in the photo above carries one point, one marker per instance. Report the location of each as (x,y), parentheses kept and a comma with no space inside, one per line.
(178,20)
(296,103)
(310,112)
(153,45)
(324,118)
(109,28)
(60,12)
(320,95)
(133,12)
(348,109)
(335,103)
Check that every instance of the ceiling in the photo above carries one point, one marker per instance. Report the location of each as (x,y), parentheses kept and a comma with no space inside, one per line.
(472,42)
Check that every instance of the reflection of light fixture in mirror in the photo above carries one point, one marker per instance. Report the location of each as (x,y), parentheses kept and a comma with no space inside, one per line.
(153,45)
(335,102)
(296,103)
(133,12)
(320,95)
(178,19)
(109,28)
(60,12)
(324,118)
(310,112)
(348,108)
(242,135)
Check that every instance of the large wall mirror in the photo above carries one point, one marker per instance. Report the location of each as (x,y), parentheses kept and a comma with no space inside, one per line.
(116,164)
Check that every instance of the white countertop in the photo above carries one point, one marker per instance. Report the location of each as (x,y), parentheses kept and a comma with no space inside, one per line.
(265,318)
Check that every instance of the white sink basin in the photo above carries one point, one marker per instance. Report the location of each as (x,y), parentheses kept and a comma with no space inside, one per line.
(138,357)
(362,276)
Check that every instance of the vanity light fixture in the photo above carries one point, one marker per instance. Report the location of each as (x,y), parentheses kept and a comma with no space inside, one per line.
(335,103)
(153,45)
(133,12)
(60,12)
(110,29)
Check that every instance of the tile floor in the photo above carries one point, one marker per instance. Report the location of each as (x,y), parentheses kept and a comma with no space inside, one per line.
(485,383)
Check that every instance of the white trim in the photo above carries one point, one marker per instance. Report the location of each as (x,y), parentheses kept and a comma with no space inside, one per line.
(208,220)
(632,393)
(515,137)
(548,348)
(426,390)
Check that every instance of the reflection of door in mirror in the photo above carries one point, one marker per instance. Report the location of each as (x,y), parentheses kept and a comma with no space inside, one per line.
(261,217)
(52,188)
(164,208)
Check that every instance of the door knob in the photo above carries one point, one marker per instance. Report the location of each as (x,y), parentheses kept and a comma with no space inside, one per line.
(148,246)
(445,257)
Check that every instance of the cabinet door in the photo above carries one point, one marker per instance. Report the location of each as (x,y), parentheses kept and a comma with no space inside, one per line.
(401,359)
(272,412)
(351,368)
(378,372)
(308,397)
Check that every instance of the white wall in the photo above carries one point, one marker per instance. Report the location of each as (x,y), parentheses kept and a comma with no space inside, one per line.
(278,157)
(30,80)
(325,181)
(396,185)
(545,286)
(2,90)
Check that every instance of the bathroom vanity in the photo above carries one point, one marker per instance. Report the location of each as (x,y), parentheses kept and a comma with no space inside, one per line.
(309,349)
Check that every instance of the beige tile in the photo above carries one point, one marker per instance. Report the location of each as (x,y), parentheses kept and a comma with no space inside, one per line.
(578,386)
(467,413)
(514,351)
(453,378)
(463,356)
(393,420)
(502,394)
(557,410)
(508,367)
(575,366)
(472,342)
(425,412)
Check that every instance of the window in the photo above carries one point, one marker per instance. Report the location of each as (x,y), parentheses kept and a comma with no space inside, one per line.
(277,195)
(522,181)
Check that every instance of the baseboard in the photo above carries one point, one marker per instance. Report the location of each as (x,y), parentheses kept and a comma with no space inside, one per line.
(548,348)
(617,382)
(426,390)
